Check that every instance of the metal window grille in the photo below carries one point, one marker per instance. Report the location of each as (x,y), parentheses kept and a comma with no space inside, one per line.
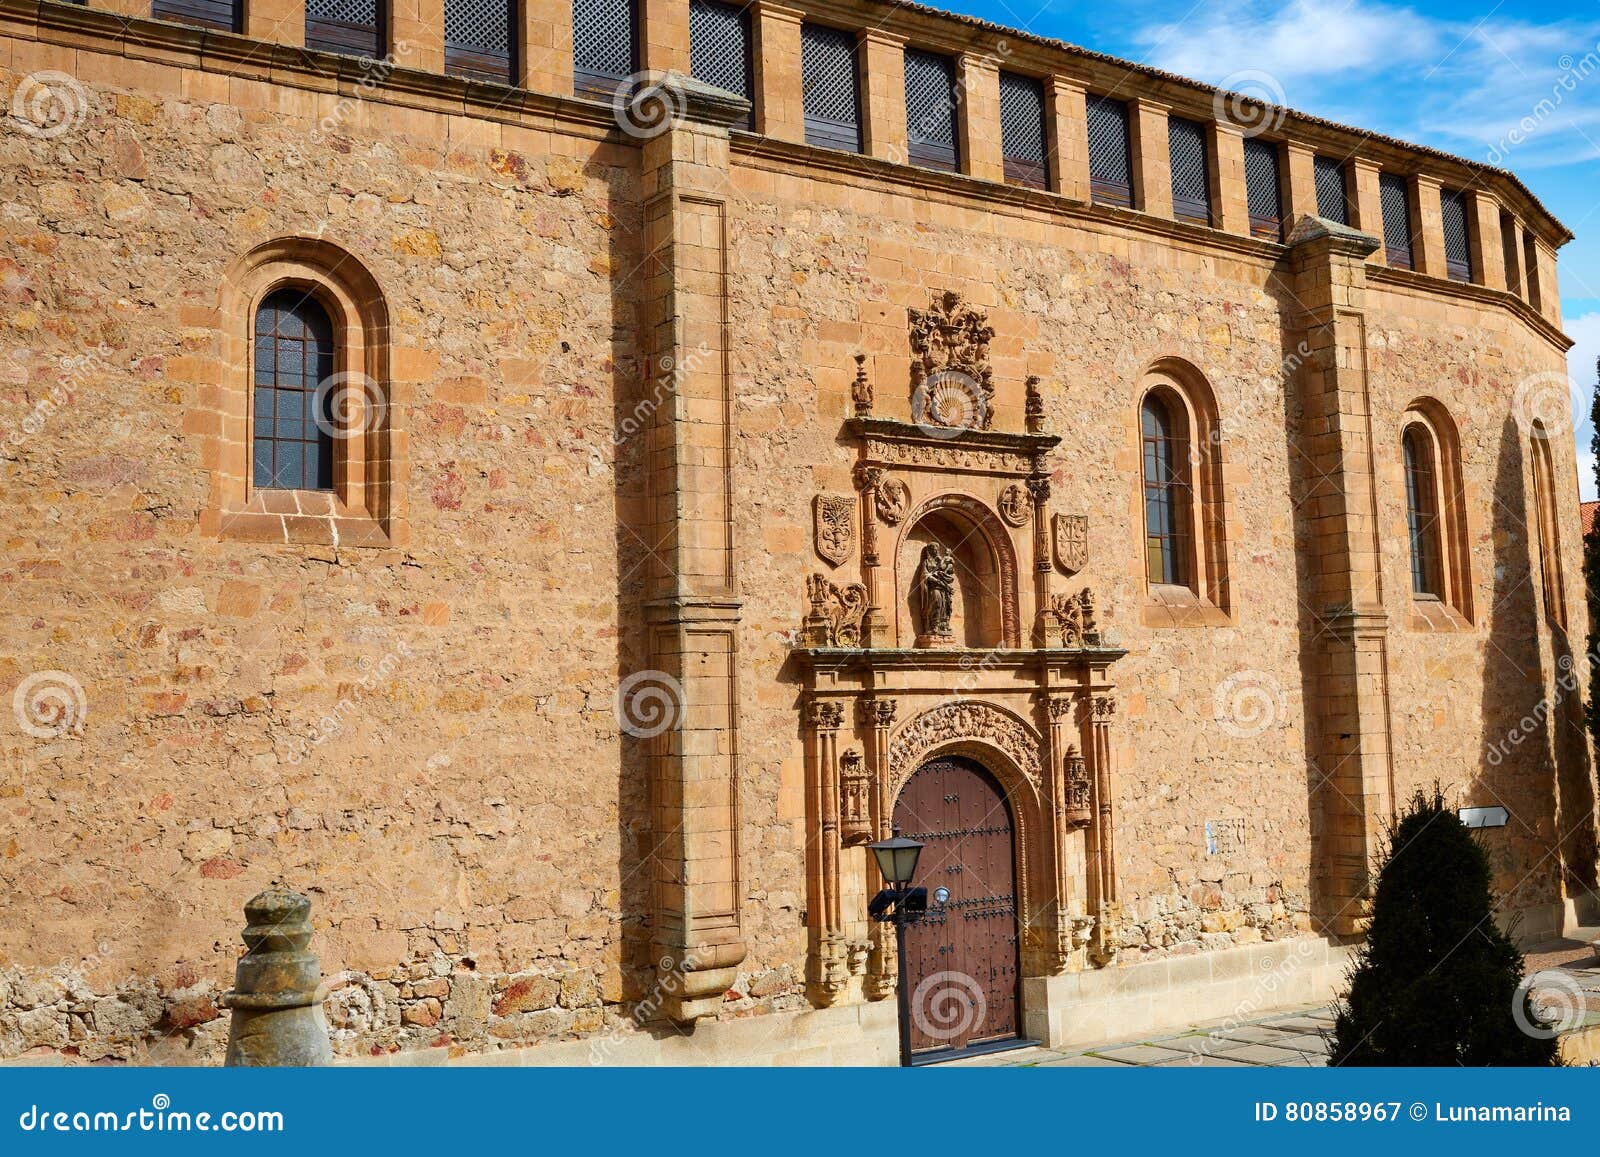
(931,110)
(605,45)
(1191,188)
(719,49)
(478,39)
(1023,140)
(1110,163)
(292,440)
(1395,201)
(1263,189)
(348,27)
(1166,492)
(228,15)
(1457,239)
(1422,516)
(1333,201)
(830,88)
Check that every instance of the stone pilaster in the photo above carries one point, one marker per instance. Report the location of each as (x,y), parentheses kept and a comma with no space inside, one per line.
(278,21)
(544,46)
(1351,732)
(1366,202)
(1300,161)
(1427,227)
(882,57)
(418,24)
(875,623)
(1227,179)
(665,38)
(693,603)
(1488,251)
(780,110)
(1039,493)
(1068,127)
(1152,160)
(1062,752)
(978,115)
(1095,715)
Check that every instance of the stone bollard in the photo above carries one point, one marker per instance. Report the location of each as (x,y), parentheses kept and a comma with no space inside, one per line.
(276,1019)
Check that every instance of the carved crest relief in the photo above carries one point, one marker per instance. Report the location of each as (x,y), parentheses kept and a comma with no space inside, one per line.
(952,384)
(834,516)
(836,612)
(1072,541)
(1074,618)
(1015,505)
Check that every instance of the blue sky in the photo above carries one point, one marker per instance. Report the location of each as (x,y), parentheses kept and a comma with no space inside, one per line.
(1458,76)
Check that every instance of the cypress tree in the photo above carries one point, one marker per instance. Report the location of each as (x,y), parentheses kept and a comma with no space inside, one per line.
(1436,981)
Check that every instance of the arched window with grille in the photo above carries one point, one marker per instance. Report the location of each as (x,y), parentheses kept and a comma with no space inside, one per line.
(1422,511)
(1164,436)
(1435,518)
(292,440)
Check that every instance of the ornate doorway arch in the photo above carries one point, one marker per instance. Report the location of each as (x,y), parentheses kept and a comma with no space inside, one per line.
(963,961)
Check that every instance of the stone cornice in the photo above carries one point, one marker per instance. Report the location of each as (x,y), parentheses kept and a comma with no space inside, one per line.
(994,441)
(1421,283)
(952,658)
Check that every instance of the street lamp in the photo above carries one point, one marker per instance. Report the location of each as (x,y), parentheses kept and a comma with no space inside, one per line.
(901,905)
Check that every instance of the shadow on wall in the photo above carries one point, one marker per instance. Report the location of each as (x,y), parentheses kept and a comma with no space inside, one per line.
(1534,759)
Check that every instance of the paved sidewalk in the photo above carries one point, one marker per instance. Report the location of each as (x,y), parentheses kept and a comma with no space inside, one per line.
(1286,1038)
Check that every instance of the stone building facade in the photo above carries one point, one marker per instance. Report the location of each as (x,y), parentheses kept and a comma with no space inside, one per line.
(690,485)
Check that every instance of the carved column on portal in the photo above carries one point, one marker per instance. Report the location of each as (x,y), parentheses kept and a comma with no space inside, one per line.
(876,717)
(1039,491)
(875,626)
(828,972)
(1069,810)
(1095,713)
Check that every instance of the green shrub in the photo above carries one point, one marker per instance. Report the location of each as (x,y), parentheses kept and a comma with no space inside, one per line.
(1436,981)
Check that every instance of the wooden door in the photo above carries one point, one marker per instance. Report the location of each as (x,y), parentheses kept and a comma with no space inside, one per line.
(962,964)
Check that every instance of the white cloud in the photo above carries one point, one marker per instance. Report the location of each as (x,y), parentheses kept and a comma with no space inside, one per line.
(1585,331)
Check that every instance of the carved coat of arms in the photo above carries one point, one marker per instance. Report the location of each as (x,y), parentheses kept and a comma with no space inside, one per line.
(834,516)
(1072,541)
(952,383)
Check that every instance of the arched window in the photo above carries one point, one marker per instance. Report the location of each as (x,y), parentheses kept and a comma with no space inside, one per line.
(1163,434)
(292,443)
(1552,581)
(1422,511)
(1436,527)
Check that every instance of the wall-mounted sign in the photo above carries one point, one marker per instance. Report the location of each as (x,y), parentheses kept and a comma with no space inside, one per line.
(1483,817)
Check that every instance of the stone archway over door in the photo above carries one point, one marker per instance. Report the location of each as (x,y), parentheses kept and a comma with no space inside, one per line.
(962,963)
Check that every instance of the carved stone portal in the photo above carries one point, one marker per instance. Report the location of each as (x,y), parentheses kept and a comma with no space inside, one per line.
(834,517)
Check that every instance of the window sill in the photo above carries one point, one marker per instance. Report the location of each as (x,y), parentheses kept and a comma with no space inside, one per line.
(298,517)
(1169,606)
(1432,616)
